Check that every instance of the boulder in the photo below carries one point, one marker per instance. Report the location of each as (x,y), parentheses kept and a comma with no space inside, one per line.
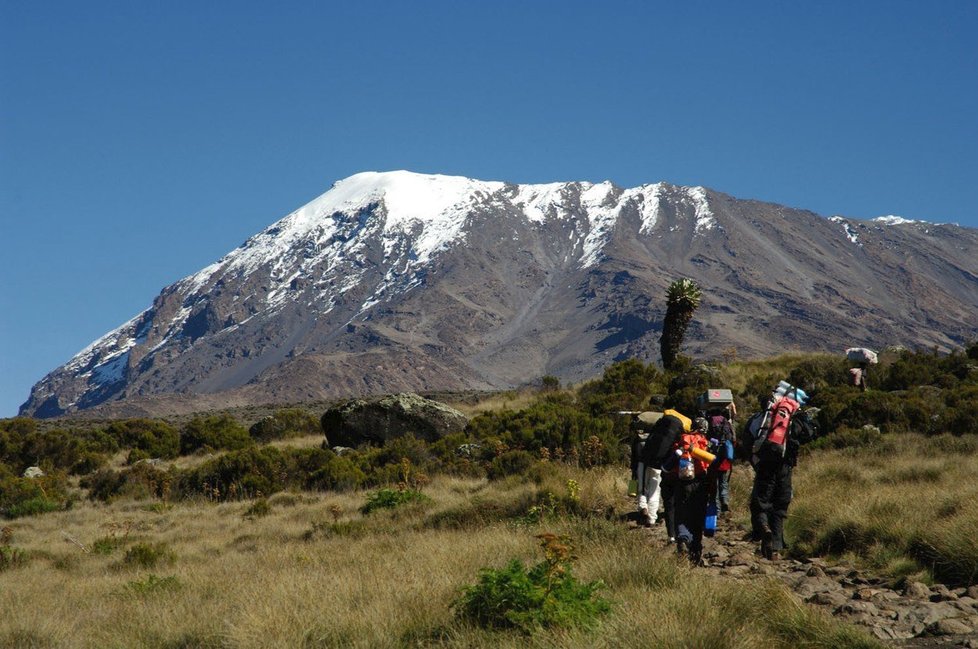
(33,472)
(376,421)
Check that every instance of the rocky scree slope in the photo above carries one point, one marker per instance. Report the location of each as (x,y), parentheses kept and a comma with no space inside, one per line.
(405,282)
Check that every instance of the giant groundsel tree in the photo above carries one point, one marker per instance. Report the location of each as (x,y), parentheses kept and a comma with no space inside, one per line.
(682,298)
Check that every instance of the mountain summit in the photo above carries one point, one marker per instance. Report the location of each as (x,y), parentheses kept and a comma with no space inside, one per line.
(401,281)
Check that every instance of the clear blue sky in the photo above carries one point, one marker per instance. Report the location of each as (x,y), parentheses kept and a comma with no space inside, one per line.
(141,141)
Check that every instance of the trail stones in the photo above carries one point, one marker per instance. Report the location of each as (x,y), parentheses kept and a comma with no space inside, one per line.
(379,420)
(917,590)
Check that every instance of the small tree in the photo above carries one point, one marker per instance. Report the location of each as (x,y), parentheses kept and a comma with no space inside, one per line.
(682,298)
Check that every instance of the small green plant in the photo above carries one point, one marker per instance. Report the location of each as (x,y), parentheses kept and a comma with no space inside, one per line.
(153,584)
(10,557)
(258,509)
(547,509)
(148,555)
(390,498)
(545,596)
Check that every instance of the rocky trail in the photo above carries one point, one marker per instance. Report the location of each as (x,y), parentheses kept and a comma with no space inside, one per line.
(918,616)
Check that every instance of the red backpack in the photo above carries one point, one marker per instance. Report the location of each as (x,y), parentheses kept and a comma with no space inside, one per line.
(774,430)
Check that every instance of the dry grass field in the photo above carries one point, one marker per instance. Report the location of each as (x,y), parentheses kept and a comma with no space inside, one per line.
(311,571)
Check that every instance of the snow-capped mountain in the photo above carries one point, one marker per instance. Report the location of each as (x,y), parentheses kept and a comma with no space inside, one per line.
(402,281)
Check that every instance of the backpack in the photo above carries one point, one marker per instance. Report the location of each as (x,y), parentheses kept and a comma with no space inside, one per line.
(685,444)
(662,437)
(771,435)
(720,429)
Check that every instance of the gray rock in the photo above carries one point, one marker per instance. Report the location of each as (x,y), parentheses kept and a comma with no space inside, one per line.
(917,590)
(735,571)
(966,603)
(972,592)
(808,586)
(833,598)
(941,593)
(853,607)
(928,613)
(378,420)
(883,632)
(815,571)
(950,626)
(33,472)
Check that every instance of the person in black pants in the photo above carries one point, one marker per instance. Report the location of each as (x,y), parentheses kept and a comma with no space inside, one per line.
(692,492)
(772,491)
(658,452)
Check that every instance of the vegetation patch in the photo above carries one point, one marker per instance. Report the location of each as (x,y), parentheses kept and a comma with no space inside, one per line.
(148,555)
(391,498)
(544,596)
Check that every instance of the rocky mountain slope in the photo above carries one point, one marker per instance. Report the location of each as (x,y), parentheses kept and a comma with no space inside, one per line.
(406,282)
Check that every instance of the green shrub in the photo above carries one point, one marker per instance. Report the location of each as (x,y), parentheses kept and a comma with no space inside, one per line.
(151,437)
(510,463)
(142,480)
(10,557)
(31,496)
(391,498)
(337,473)
(545,596)
(107,545)
(148,555)
(216,432)
(258,509)
(284,424)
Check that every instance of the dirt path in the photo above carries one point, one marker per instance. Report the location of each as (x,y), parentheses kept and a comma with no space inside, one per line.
(918,616)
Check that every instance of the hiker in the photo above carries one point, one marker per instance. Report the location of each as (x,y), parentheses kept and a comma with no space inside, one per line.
(774,464)
(692,490)
(745,451)
(721,430)
(657,456)
(860,358)
(646,477)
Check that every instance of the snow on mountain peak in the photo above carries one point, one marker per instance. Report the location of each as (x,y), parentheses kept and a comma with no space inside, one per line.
(893,220)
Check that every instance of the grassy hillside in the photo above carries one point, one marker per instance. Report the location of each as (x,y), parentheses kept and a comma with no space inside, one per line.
(310,570)
(220,531)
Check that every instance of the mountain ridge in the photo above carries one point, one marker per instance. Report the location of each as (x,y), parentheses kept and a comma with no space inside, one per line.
(395,280)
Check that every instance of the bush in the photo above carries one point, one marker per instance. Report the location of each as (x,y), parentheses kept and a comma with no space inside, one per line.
(337,473)
(152,437)
(510,463)
(148,555)
(390,498)
(141,480)
(216,432)
(284,424)
(547,595)
(31,496)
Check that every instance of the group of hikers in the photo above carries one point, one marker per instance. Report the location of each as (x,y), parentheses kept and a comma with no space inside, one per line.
(684,465)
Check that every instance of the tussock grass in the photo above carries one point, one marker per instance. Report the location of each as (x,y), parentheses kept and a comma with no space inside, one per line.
(267,582)
(907,506)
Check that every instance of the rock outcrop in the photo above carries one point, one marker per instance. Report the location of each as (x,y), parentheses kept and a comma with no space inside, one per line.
(376,421)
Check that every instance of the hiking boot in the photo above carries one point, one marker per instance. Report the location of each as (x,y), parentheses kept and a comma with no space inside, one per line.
(682,548)
(766,551)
